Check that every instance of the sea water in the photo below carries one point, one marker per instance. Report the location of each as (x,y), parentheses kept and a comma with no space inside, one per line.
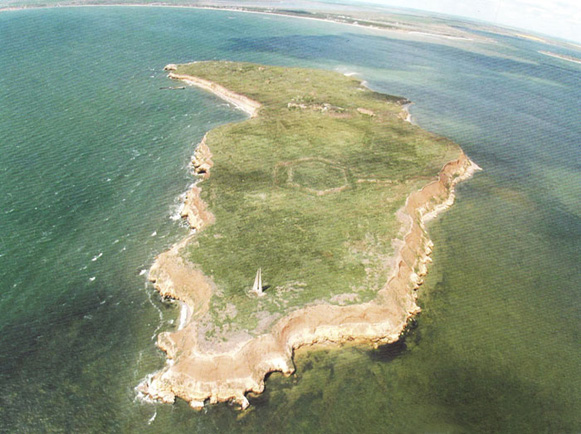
(93,156)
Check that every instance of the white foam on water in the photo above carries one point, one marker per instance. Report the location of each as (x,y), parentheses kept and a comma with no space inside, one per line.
(160,313)
(140,396)
(176,211)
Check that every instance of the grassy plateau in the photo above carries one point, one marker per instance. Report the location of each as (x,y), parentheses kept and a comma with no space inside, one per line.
(307,191)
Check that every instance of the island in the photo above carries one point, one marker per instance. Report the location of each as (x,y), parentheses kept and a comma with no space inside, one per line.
(309,227)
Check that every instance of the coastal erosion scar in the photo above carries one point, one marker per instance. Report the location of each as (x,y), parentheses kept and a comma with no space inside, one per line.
(198,374)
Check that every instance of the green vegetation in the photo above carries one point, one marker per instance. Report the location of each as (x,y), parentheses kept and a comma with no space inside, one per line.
(308,190)
(317,176)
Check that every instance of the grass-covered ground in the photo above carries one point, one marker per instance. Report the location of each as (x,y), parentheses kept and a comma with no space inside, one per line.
(308,190)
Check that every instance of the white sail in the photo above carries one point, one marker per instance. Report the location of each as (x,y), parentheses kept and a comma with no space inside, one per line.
(257,287)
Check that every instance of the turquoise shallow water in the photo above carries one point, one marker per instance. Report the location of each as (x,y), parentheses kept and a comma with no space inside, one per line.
(94,156)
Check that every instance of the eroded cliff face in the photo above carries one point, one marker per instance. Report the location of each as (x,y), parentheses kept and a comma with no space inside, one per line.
(194,209)
(198,371)
(202,160)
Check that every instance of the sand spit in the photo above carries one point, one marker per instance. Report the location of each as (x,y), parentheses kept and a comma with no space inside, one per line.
(240,101)
(561,56)
(198,371)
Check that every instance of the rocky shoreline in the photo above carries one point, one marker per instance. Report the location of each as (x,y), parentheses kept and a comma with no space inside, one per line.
(198,372)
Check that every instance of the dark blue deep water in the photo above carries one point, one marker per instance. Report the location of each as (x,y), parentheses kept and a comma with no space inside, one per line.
(93,157)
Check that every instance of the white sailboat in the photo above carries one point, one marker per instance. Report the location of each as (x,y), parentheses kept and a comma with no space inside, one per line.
(257,287)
